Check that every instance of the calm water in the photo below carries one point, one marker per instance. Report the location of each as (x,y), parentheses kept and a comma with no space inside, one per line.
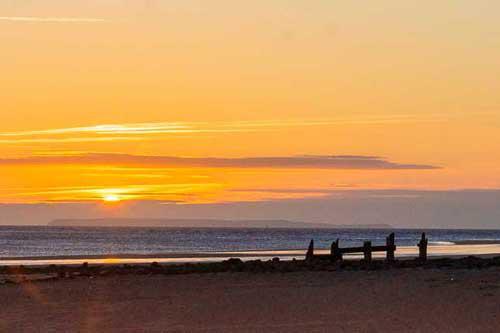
(65,241)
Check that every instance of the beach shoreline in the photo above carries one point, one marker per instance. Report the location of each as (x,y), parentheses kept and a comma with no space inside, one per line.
(404,252)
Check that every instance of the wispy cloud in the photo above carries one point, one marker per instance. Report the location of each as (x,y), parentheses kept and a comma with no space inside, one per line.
(158,130)
(290,162)
(287,190)
(141,128)
(177,192)
(207,127)
(37,19)
(111,132)
(70,140)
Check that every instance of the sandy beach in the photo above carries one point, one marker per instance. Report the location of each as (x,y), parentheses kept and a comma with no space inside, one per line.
(451,292)
(410,300)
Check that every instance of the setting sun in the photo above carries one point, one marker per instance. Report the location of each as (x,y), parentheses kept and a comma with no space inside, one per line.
(111,198)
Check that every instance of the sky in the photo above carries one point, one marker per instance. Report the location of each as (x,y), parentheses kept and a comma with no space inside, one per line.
(191,103)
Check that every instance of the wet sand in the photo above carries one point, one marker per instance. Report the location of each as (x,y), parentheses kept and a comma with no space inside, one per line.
(405,300)
(478,248)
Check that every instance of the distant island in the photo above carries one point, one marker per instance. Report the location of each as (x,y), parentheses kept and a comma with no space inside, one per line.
(206,223)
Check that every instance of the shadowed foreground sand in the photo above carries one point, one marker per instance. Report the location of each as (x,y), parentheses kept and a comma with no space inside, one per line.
(419,300)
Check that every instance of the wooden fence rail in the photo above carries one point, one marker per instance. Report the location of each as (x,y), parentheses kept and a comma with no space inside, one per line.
(336,252)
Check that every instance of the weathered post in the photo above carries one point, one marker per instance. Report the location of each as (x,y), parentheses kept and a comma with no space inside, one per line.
(422,248)
(310,251)
(391,247)
(335,252)
(367,251)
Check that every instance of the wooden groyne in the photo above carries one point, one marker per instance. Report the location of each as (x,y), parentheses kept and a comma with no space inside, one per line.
(337,253)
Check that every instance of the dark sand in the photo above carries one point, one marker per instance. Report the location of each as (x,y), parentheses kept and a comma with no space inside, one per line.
(400,300)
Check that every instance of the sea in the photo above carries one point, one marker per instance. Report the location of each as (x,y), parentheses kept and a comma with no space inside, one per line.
(45,241)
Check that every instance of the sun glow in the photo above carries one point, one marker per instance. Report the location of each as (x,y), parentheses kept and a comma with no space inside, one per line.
(111,198)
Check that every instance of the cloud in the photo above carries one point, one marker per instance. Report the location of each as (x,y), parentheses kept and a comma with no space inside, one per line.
(152,130)
(36,19)
(286,190)
(178,192)
(291,162)
(113,132)
(71,140)
(139,128)
(157,128)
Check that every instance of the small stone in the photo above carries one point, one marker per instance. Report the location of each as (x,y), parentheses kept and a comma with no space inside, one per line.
(234,261)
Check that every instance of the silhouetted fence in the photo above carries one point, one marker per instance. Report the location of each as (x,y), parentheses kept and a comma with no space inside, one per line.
(337,253)
(422,248)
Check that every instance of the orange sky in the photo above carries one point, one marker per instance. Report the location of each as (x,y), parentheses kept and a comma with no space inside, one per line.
(412,84)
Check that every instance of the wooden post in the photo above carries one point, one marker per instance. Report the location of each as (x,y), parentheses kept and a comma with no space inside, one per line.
(310,251)
(335,252)
(391,247)
(367,250)
(422,248)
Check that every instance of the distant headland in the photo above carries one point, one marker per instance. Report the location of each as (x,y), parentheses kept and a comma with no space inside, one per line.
(206,223)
